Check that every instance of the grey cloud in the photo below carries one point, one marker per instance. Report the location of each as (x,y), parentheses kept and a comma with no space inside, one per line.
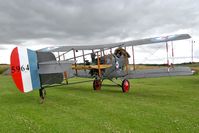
(77,21)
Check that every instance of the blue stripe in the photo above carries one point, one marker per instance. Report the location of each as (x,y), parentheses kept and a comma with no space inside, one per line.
(32,57)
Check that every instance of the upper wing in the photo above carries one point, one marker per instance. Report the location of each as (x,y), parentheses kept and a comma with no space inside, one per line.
(119,44)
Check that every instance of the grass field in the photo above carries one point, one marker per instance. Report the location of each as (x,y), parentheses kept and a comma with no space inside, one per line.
(3,67)
(169,104)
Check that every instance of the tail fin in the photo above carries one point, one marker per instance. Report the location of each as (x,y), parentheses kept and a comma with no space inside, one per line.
(24,69)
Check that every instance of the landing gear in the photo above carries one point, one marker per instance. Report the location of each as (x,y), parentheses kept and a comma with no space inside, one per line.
(125,85)
(97,84)
(42,94)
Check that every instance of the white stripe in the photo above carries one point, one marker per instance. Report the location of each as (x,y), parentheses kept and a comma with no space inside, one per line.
(26,77)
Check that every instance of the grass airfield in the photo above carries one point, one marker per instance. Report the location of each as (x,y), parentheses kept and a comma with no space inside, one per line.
(3,67)
(167,104)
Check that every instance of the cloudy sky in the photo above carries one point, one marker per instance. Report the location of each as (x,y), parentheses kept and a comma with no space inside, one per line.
(36,24)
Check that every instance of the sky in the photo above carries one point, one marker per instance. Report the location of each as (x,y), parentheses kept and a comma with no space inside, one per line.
(37,24)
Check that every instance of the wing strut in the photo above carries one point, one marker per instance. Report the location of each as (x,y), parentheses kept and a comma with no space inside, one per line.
(105,58)
(192,43)
(98,63)
(75,61)
(84,59)
(66,77)
(58,56)
(133,53)
(167,49)
(172,54)
(100,52)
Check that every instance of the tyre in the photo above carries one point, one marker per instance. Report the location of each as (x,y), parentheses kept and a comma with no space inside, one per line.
(97,83)
(125,85)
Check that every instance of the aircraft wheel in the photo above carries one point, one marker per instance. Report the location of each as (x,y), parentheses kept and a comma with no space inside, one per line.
(125,85)
(97,83)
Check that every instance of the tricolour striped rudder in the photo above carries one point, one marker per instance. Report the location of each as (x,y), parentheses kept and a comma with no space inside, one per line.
(24,69)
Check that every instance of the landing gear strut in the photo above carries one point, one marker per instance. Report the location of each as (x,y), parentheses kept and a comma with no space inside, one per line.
(125,85)
(42,94)
(97,84)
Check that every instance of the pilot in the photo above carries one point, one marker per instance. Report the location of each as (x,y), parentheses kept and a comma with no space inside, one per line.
(119,54)
(93,57)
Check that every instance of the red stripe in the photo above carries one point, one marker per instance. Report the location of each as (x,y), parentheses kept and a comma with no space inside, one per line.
(15,69)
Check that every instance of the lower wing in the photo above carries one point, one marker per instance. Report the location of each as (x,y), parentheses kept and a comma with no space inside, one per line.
(161,72)
(89,67)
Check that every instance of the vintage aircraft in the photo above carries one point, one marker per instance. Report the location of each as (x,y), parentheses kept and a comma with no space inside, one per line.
(33,70)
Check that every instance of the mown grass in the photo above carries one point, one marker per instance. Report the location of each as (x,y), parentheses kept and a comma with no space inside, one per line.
(3,68)
(169,104)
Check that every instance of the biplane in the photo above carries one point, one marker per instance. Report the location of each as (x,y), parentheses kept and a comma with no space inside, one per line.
(52,66)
